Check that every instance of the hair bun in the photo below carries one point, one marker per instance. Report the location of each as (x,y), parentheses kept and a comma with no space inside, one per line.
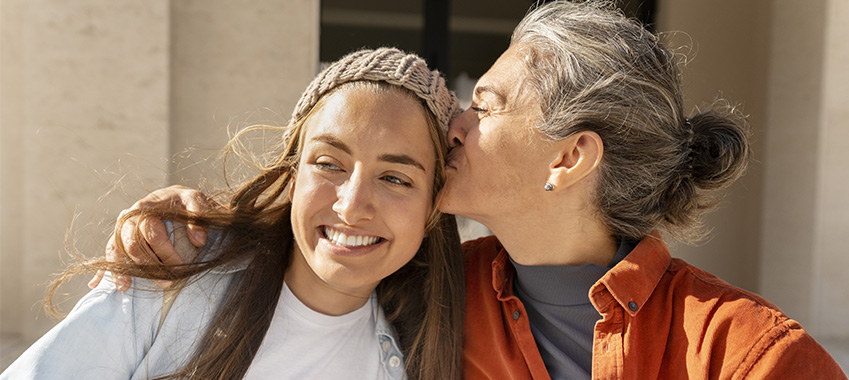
(720,147)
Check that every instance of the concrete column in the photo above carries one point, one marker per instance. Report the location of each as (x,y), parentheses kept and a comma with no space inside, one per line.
(831,262)
(805,203)
(792,157)
(725,46)
(96,96)
(234,65)
(84,104)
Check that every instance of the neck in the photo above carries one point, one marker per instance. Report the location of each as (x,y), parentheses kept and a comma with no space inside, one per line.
(543,236)
(318,294)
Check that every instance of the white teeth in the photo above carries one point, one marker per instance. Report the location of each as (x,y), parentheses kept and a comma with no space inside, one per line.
(339,238)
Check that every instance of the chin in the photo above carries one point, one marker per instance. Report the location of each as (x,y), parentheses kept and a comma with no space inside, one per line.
(449,207)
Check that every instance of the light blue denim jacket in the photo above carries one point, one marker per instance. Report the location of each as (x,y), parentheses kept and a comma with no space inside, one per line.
(117,335)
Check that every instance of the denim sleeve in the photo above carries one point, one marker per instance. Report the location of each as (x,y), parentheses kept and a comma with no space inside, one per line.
(115,335)
(105,336)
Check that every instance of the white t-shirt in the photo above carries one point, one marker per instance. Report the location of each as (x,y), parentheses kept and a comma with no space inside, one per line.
(304,344)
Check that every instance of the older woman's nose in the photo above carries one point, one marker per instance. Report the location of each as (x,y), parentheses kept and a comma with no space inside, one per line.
(355,200)
(459,127)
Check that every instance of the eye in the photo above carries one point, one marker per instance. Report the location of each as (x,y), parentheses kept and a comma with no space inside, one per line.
(396,181)
(324,165)
(481,111)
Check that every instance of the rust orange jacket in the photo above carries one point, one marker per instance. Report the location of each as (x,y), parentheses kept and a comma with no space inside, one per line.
(661,318)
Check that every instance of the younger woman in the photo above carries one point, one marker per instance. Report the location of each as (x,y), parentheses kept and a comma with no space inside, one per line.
(332,263)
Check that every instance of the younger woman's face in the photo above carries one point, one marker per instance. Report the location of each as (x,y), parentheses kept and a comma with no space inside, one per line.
(363,190)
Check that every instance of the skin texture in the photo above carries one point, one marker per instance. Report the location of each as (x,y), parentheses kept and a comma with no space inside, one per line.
(497,170)
(364,171)
(498,167)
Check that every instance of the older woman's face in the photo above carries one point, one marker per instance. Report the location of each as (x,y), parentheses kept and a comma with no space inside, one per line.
(363,189)
(496,162)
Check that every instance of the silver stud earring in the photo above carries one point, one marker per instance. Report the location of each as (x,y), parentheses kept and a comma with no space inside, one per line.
(549,186)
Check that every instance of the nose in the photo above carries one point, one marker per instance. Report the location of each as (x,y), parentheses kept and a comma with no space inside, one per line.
(459,127)
(354,200)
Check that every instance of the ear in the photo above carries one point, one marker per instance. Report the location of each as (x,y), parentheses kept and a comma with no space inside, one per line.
(578,157)
(291,189)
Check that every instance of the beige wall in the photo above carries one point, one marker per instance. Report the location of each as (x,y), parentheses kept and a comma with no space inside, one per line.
(726,43)
(233,64)
(806,206)
(780,230)
(831,261)
(95,95)
(84,97)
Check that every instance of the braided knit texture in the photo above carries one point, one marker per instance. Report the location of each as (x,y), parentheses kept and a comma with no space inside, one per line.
(388,65)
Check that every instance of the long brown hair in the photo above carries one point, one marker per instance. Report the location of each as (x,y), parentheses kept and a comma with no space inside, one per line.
(424,300)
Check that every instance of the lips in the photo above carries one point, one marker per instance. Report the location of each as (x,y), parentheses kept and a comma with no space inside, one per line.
(351,241)
(451,159)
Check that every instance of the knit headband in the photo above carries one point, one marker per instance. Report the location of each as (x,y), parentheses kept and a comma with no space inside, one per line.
(388,65)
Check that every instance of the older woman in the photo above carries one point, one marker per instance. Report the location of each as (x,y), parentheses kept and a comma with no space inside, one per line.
(578,155)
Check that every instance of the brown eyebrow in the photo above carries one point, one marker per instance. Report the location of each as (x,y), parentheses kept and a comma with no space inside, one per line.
(402,159)
(332,141)
(391,158)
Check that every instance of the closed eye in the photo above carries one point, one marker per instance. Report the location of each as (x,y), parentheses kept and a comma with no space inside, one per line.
(481,111)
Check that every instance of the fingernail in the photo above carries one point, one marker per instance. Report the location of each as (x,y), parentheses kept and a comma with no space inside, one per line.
(93,283)
(200,236)
(164,284)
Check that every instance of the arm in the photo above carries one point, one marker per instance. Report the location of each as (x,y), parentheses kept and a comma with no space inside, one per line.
(153,231)
(105,336)
(112,334)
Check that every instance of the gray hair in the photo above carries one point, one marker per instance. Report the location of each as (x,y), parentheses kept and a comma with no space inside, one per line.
(593,69)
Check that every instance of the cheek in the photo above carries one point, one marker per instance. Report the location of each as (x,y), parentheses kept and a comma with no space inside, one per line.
(407,220)
(489,156)
(486,145)
(310,197)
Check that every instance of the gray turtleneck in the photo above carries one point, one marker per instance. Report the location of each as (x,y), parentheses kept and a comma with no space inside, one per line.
(562,319)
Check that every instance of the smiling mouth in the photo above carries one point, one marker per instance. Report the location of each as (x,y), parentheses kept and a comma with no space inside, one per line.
(341,239)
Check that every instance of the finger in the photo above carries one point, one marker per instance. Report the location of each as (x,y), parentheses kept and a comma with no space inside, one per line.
(122,282)
(133,247)
(197,203)
(112,250)
(96,279)
(156,236)
(197,235)
(165,197)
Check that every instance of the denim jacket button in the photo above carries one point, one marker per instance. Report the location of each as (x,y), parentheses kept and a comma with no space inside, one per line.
(386,346)
(394,361)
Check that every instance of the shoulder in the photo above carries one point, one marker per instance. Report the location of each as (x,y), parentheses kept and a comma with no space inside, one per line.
(104,336)
(698,295)
(485,248)
(479,254)
(750,334)
(689,284)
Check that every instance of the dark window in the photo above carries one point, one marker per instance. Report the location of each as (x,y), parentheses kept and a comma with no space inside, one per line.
(460,37)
